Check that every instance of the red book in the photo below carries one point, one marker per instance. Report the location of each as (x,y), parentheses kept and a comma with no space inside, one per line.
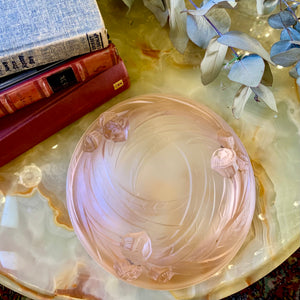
(56,78)
(28,126)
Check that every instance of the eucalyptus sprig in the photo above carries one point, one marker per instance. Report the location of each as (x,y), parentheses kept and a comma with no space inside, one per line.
(286,52)
(207,25)
(251,70)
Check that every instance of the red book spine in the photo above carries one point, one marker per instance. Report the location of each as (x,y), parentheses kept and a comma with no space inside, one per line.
(26,127)
(39,87)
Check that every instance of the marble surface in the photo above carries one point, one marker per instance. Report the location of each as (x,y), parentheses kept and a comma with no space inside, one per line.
(40,255)
(281,283)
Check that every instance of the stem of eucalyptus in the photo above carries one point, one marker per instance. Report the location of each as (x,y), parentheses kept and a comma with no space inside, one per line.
(196,7)
(289,9)
(216,29)
(220,34)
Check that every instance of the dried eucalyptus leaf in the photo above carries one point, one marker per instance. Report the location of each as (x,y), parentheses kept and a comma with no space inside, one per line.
(266,95)
(295,43)
(287,58)
(279,47)
(212,62)
(281,20)
(265,7)
(283,54)
(177,23)
(292,9)
(224,4)
(297,26)
(157,7)
(245,42)
(128,3)
(289,34)
(293,6)
(267,78)
(156,3)
(206,7)
(248,71)
(293,73)
(298,68)
(201,32)
(240,99)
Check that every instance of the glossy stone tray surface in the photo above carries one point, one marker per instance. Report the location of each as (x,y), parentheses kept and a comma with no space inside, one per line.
(40,255)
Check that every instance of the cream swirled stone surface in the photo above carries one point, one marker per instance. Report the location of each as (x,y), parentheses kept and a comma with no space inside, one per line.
(156,193)
(36,233)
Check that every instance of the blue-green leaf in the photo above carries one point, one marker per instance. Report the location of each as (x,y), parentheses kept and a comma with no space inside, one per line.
(281,20)
(295,71)
(177,23)
(206,7)
(298,68)
(128,3)
(201,32)
(287,58)
(294,44)
(267,78)
(266,95)
(159,10)
(289,34)
(265,7)
(156,3)
(283,53)
(297,26)
(248,71)
(212,62)
(279,47)
(240,100)
(245,42)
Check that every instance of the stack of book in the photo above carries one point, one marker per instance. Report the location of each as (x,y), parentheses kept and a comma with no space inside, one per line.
(56,64)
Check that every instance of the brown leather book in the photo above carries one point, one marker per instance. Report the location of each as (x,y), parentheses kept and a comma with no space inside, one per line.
(29,126)
(55,78)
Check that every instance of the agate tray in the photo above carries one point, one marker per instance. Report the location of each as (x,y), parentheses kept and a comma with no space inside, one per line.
(40,254)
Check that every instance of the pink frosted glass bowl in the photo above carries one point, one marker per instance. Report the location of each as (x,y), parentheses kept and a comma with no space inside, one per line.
(161,192)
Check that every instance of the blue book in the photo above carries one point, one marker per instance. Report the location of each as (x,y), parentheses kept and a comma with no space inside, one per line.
(38,32)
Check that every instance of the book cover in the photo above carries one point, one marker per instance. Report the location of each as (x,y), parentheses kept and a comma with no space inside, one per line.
(54,79)
(34,33)
(29,126)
